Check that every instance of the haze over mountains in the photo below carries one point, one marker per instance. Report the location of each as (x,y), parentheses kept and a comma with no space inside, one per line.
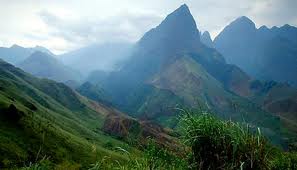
(268,54)
(46,66)
(16,54)
(206,39)
(104,57)
(255,50)
(123,93)
(171,67)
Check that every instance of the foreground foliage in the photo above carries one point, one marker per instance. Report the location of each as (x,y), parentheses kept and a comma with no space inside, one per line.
(153,157)
(224,144)
(218,144)
(212,144)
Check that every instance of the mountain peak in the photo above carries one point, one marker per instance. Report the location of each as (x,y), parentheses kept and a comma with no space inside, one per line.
(206,34)
(242,27)
(181,15)
(177,30)
(15,46)
(206,39)
(263,27)
(42,49)
(288,27)
(42,57)
(183,8)
(244,21)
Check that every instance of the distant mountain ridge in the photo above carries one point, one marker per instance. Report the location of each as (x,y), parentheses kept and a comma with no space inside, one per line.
(16,53)
(46,66)
(267,54)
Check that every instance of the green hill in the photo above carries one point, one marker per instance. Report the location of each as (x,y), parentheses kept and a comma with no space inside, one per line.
(43,119)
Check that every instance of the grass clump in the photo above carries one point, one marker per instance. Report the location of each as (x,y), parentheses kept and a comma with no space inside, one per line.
(217,144)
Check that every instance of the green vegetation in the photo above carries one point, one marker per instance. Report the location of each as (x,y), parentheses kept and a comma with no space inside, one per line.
(224,144)
(41,119)
(218,144)
(46,125)
(94,92)
(211,144)
(152,157)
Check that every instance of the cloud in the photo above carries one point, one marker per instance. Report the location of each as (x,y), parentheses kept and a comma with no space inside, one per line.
(63,25)
(124,26)
(275,12)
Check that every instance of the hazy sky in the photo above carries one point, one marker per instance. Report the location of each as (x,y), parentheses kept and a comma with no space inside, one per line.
(63,25)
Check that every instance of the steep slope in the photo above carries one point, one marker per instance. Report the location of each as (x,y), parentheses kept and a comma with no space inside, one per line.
(97,76)
(170,63)
(43,65)
(156,48)
(16,54)
(41,118)
(161,47)
(94,92)
(267,54)
(97,57)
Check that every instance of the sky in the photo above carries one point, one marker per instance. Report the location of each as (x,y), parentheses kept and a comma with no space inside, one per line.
(65,25)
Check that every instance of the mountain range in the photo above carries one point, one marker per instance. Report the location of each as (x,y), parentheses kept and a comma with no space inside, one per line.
(172,68)
(266,54)
(16,53)
(78,105)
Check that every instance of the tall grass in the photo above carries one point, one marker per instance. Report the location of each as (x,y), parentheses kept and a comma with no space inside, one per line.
(218,144)
(153,158)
